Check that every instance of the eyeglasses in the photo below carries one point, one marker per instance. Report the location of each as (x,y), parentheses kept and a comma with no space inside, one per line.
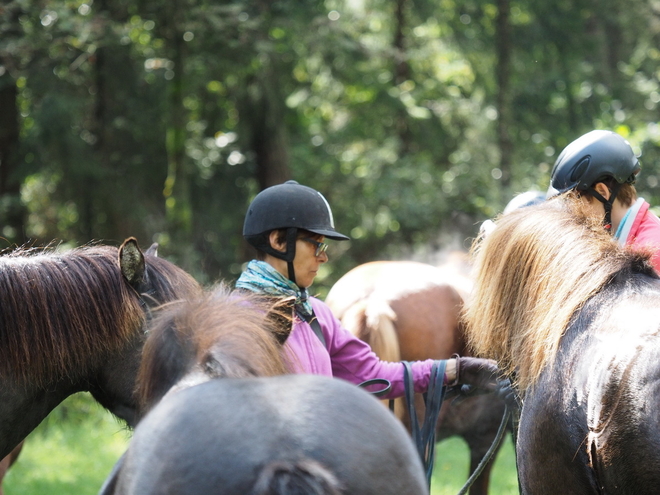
(320,246)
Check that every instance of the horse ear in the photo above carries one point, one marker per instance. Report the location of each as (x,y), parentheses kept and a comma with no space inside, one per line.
(153,250)
(131,261)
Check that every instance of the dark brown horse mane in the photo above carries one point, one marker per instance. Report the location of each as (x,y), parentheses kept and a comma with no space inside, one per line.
(57,310)
(221,334)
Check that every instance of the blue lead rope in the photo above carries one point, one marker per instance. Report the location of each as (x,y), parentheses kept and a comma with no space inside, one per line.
(424,437)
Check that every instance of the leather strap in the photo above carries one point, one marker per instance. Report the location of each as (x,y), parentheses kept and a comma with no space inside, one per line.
(316,326)
(424,436)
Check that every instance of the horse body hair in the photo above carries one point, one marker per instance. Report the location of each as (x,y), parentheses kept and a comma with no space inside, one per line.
(370,300)
(577,319)
(61,313)
(286,434)
(374,322)
(304,477)
(219,334)
(590,422)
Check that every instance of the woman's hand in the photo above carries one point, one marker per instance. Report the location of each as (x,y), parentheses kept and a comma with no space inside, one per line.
(476,372)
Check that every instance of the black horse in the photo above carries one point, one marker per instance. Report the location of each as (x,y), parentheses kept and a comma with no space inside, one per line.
(222,417)
(72,322)
(577,321)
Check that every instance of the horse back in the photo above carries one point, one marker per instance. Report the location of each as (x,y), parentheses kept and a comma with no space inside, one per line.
(226,432)
(623,404)
(402,309)
(592,422)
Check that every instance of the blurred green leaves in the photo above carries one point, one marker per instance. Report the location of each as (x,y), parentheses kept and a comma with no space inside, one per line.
(391,109)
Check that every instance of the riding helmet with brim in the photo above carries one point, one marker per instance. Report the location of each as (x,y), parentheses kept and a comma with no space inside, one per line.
(290,206)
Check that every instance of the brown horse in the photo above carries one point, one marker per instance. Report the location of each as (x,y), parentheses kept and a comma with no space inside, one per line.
(222,412)
(73,321)
(576,320)
(411,311)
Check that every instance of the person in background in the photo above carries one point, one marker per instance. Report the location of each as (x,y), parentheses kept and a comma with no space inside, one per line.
(600,167)
(288,225)
(521,200)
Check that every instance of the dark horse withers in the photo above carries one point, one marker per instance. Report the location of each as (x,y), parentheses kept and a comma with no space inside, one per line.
(577,320)
(72,322)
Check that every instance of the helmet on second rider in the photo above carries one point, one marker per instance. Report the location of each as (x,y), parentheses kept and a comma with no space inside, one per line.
(289,206)
(591,158)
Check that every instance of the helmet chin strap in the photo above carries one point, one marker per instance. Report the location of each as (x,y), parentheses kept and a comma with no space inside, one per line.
(291,236)
(289,254)
(607,204)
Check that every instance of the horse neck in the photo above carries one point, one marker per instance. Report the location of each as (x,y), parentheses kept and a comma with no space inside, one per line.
(62,313)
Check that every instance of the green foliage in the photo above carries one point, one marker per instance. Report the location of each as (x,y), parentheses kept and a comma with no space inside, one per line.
(72,451)
(163,120)
(451,468)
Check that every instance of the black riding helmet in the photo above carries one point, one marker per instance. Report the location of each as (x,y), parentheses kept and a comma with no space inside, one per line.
(590,159)
(288,206)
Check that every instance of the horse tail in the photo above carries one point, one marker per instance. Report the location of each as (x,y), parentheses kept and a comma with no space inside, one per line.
(372,321)
(296,477)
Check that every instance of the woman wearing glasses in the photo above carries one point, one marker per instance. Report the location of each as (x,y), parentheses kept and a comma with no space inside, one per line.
(287,224)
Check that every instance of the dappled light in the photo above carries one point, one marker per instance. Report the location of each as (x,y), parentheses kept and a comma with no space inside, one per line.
(416,120)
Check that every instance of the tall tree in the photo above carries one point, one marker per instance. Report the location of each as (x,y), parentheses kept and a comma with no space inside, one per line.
(504,101)
(11,210)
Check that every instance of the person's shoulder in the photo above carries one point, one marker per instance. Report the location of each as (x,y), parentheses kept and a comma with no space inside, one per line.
(648,216)
(646,228)
(319,305)
(323,311)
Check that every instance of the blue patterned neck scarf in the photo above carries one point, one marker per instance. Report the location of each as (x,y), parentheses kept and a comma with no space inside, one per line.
(262,278)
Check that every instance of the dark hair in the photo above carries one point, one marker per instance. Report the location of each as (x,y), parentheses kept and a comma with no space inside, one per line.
(281,237)
(627,194)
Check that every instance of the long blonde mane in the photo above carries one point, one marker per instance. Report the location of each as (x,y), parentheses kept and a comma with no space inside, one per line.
(533,272)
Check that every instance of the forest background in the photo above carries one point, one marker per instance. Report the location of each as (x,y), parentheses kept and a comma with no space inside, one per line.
(416,119)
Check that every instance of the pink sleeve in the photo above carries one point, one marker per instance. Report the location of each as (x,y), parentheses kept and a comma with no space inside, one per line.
(354,361)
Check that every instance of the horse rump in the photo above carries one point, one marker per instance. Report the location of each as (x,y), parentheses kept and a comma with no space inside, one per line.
(302,477)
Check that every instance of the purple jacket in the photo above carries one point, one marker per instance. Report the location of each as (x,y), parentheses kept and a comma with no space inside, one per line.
(345,356)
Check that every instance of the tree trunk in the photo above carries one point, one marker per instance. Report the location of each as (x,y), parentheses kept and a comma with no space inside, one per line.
(265,109)
(401,72)
(269,137)
(503,47)
(177,184)
(12,211)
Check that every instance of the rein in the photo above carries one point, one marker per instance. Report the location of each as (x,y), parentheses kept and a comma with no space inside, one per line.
(424,437)
(491,451)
